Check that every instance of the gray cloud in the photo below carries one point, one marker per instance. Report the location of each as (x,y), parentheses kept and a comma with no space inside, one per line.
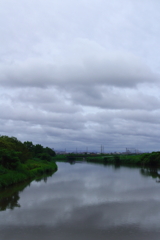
(80,74)
(113,69)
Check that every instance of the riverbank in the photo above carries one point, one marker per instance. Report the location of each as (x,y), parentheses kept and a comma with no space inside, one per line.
(30,170)
(142,160)
(22,161)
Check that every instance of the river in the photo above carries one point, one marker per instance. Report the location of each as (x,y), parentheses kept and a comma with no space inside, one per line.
(84,201)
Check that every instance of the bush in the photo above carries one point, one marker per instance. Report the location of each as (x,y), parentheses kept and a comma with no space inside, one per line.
(9,159)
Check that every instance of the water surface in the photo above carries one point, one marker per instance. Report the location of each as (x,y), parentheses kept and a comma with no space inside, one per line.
(84,201)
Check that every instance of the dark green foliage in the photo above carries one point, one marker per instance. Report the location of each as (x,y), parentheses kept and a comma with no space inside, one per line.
(38,149)
(9,158)
(29,170)
(2,170)
(116,159)
(13,144)
(146,159)
(71,157)
(60,158)
(151,159)
(13,152)
(16,164)
(45,156)
(29,146)
(49,151)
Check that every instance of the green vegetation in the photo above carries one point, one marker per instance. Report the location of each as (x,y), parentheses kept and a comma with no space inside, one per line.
(21,161)
(145,159)
(9,196)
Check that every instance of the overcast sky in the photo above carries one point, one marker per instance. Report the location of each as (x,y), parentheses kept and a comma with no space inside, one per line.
(81,74)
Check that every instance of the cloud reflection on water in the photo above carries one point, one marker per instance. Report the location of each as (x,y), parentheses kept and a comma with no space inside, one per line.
(85,196)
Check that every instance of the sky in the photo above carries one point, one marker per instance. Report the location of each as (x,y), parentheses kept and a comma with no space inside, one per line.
(75,75)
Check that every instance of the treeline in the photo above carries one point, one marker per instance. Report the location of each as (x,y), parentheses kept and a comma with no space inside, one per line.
(145,159)
(13,152)
(20,161)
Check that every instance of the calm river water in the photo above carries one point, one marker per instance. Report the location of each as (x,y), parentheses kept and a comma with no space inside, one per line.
(84,202)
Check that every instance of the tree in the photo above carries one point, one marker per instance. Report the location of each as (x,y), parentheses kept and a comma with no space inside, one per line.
(45,156)
(9,158)
(38,149)
(29,145)
(50,151)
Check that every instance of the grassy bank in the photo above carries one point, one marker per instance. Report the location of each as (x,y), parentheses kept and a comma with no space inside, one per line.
(30,170)
(10,195)
(145,159)
(21,161)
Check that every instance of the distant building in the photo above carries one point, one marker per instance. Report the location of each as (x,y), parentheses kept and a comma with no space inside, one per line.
(132,151)
(60,152)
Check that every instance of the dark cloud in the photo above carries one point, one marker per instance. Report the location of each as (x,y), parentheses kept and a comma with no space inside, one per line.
(69,81)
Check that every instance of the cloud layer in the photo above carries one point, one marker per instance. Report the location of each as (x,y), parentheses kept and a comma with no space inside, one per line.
(77,75)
